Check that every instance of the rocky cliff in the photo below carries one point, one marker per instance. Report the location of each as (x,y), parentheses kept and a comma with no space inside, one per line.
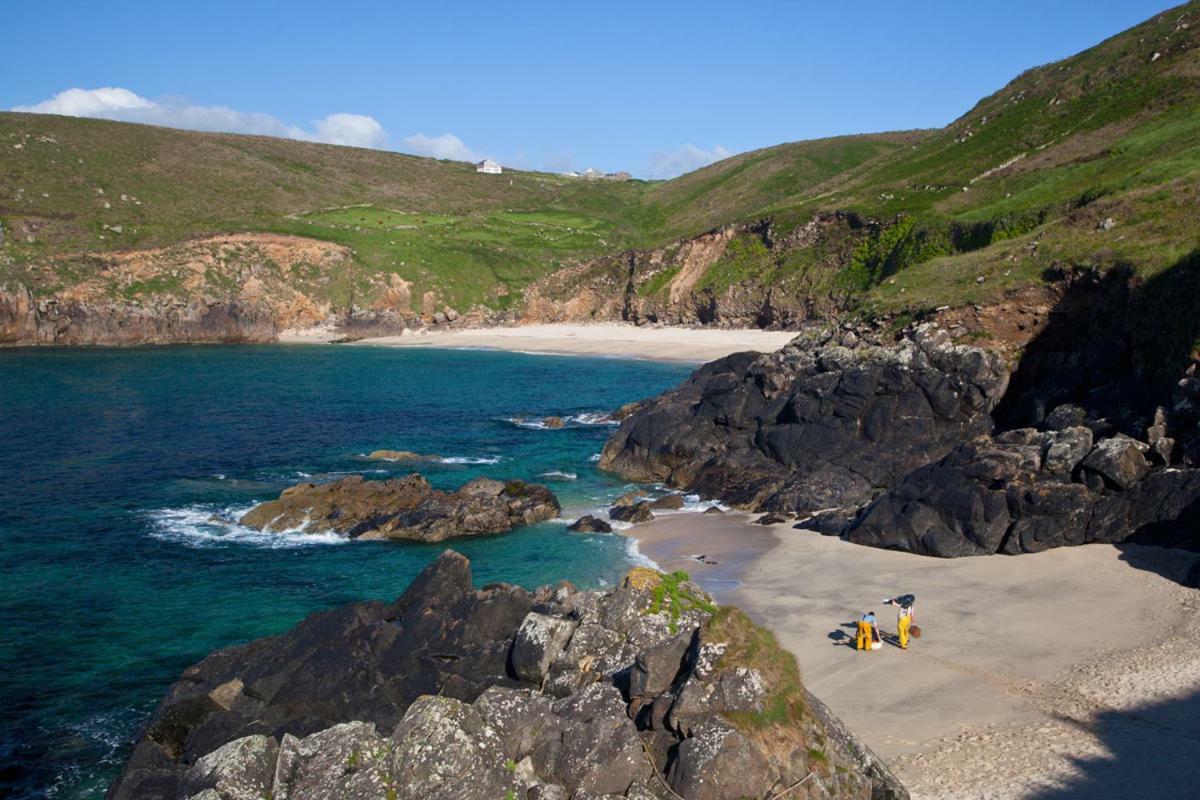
(645,691)
(929,446)
(735,276)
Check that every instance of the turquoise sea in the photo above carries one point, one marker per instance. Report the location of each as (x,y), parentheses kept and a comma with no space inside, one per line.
(118,467)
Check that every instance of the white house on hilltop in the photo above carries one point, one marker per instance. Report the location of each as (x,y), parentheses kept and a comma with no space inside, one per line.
(489,166)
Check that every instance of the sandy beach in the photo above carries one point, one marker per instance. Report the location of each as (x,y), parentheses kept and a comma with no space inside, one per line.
(1073,673)
(600,339)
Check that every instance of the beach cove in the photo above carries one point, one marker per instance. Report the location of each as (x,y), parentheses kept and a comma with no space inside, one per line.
(1073,673)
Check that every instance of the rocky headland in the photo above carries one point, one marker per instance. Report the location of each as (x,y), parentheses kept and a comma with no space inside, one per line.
(645,691)
(923,444)
(405,508)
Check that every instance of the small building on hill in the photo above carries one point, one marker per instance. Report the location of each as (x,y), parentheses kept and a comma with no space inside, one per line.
(489,166)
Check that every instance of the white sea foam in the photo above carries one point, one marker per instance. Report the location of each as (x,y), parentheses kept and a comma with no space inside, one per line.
(584,419)
(592,418)
(209,526)
(636,556)
(561,475)
(470,460)
(594,457)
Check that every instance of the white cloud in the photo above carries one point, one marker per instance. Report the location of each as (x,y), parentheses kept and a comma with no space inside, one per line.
(684,159)
(445,146)
(116,103)
(355,130)
(89,102)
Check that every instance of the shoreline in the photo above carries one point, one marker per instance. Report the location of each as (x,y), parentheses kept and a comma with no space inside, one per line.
(1036,674)
(602,339)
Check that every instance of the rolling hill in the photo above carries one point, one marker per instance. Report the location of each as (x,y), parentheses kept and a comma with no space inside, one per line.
(1090,163)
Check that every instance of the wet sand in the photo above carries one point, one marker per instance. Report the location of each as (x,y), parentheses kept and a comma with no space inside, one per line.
(1061,674)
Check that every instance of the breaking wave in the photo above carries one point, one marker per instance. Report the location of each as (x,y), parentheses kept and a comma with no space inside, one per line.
(584,419)
(208,526)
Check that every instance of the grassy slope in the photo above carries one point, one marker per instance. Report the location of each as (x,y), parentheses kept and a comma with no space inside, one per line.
(1013,188)
(437,224)
(1111,132)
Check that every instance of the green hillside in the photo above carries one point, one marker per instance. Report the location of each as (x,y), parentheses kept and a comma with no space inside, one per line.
(1089,162)
(69,187)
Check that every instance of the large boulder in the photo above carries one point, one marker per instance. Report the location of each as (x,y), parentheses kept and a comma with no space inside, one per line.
(814,425)
(243,769)
(638,512)
(589,524)
(404,508)
(718,762)
(1120,461)
(540,639)
(481,694)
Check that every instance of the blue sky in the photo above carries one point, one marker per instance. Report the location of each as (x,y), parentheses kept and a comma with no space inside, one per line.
(655,88)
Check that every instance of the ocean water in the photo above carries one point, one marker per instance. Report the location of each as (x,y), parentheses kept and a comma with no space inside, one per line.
(120,471)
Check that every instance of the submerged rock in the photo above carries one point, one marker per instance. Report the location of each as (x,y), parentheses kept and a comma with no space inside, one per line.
(404,508)
(398,455)
(455,692)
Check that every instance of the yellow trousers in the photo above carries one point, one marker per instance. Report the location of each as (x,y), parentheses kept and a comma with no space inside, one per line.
(863,640)
(902,625)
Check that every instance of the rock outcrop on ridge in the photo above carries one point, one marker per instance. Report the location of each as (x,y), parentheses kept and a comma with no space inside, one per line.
(646,691)
(894,445)
(404,508)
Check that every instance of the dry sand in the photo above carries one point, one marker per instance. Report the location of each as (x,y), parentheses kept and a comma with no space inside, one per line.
(600,339)
(1073,673)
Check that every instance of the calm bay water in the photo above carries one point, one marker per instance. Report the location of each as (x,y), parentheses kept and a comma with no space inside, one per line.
(114,575)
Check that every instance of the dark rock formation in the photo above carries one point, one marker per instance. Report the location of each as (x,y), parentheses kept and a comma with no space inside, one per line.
(404,508)
(589,524)
(635,513)
(1027,490)
(815,425)
(492,693)
(668,502)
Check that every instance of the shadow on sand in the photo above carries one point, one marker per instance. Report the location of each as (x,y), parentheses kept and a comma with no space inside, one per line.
(1179,566)
(1151,754)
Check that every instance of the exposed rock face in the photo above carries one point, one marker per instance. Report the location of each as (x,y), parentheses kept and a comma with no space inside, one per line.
(64,321)
(456,692)
(818,424)
(1027,490)
(673,285)
(404,508)
(225,288)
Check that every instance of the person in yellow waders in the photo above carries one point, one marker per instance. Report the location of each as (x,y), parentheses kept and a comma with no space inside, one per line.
(868,631)
(904,616)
